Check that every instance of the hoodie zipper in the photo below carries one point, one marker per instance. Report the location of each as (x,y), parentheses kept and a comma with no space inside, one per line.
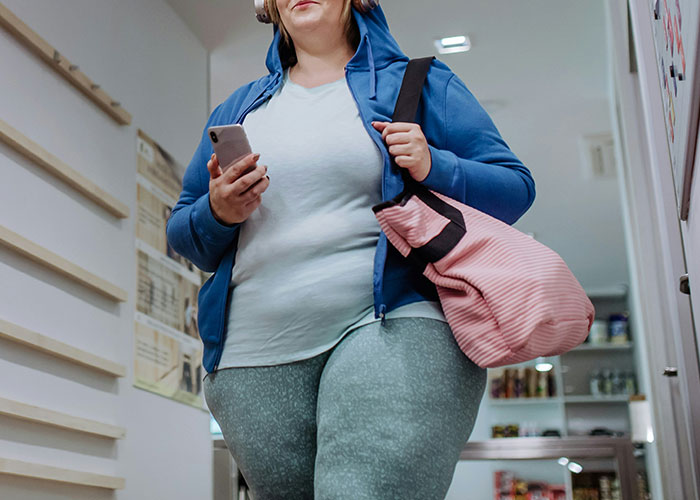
(382,306)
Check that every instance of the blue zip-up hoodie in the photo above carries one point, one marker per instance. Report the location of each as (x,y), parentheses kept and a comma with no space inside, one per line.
(470,163)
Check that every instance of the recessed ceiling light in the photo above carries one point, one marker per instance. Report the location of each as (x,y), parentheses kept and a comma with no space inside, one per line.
(453,44)
(543,365)
(575,468)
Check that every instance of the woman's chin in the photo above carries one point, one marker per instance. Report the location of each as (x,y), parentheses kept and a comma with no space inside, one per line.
(305,24)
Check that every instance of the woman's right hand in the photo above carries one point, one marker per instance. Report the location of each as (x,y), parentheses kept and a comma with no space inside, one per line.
(233,197)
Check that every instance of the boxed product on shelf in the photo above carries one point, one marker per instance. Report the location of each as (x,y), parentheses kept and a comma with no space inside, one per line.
(525,429)
(508,487)
(596,486)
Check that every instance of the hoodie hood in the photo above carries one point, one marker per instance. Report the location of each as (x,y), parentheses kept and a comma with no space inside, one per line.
(377,48)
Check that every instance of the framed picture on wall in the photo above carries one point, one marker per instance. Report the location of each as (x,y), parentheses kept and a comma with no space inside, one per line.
(676,28)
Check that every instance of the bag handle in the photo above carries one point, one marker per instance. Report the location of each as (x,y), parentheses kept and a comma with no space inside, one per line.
(411,89)
(405,111)
(409,99)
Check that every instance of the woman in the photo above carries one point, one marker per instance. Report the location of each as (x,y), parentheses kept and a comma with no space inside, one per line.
(331,369)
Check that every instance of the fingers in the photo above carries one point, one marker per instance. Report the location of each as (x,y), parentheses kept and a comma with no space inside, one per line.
(401,149)
(214,168)
(380,126)
(399,138)
(235,170)
(387,128)
(251,206)
(243,183)
(405,161)
(255,191)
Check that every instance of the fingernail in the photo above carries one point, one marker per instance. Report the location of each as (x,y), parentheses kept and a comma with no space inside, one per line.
(256,157)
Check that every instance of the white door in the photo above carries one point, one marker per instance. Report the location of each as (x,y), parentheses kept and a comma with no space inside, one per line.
(666,247)
(691,241)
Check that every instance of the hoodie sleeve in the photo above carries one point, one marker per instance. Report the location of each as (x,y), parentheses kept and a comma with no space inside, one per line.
(476,166)
(192,230)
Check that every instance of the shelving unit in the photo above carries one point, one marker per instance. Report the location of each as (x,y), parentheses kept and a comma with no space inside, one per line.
(621,398)
(524,401)
(584,411)
(574,412)
(602,347)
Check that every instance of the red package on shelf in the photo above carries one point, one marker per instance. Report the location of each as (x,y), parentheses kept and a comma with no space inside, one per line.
(504,485)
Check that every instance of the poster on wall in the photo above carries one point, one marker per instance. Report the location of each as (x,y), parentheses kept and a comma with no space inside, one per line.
(676,28)
(167,348)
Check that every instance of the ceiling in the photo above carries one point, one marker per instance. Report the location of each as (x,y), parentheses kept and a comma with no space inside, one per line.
(534,33)
(214,21)
(540,69)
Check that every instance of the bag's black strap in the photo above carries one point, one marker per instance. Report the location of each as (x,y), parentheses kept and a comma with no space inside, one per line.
(411,89)
(409,99)
(405,111)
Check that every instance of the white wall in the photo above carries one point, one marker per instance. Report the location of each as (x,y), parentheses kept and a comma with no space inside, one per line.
(144,56)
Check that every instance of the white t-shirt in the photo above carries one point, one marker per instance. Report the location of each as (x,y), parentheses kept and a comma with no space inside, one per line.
(302,277)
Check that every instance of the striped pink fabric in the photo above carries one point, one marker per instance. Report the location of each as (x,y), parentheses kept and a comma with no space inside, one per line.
(507,297)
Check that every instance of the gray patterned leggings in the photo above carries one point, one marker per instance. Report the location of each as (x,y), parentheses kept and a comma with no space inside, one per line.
(383,415)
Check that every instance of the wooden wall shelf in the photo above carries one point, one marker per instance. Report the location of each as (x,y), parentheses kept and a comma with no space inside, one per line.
(39,342)
(38,155)
(49,473)
(31,413)
(41,48)
(48,259)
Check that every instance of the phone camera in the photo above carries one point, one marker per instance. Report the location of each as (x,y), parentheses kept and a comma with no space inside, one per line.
(213,137)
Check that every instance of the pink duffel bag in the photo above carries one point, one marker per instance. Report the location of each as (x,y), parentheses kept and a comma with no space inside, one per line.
(507,297)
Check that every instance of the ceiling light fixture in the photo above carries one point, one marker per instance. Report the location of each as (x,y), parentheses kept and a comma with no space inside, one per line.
(453,44)
(574,467)
(543,365)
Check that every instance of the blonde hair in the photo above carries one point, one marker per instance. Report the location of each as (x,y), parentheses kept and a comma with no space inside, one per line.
(352,32)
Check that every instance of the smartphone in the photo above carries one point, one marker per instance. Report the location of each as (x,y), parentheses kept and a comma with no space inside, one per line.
(230,145)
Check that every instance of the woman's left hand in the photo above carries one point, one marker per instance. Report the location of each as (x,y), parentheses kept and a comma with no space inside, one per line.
(408,145)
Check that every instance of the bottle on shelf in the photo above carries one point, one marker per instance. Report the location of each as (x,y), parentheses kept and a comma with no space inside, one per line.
(618,383)
(509,383)
(605,488)
(630,384)
(530,376)
(518,383)
(542,384)
(595,383)
(551,384)
(617,327)
(599,332)
(497,388)
(607,382)
(529,429)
